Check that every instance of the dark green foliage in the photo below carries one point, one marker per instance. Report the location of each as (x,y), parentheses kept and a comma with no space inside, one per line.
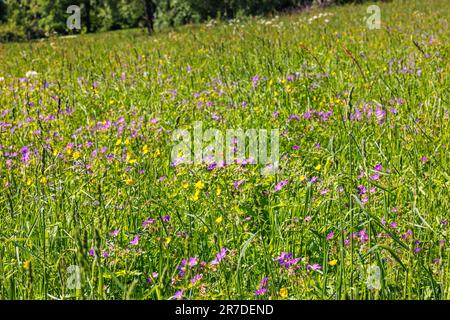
(30,19)
(3,11)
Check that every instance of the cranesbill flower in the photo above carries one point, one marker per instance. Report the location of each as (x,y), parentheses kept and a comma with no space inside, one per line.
(238,183)
(362,236)
(262,287)
(362,189)
(314,267)
(148,221)
(330,235)
(222,253)
(280,185)
(135,241)
(286,260)
(114,233)
(407,235)
(196,278)
(260,292)
(178,295)
(293,116)
(437,260)
(192,262)
(255,80)
(182,268)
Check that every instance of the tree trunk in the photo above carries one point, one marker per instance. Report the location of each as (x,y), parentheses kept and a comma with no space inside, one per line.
(87,6)
(150,9)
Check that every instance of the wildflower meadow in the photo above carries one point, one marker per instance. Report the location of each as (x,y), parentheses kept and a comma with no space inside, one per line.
(299,155)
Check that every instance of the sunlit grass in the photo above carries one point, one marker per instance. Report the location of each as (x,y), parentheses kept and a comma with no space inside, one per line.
(85,151)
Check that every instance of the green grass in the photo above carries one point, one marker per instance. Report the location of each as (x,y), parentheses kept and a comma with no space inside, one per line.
(63,201)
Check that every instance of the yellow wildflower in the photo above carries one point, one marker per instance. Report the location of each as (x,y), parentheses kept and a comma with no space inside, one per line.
(26,264)
(199,185)
(195,197)
(332,262)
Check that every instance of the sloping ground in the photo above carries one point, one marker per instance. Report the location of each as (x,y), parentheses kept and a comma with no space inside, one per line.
(95,198)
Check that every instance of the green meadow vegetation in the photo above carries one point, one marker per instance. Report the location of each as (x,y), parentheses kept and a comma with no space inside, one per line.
(93,205)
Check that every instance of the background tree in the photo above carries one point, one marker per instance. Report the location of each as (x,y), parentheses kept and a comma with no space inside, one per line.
(36,18)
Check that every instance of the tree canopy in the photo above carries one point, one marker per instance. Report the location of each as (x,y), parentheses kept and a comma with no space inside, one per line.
(29,19)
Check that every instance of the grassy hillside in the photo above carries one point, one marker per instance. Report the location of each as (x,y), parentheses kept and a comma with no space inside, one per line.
(93,205)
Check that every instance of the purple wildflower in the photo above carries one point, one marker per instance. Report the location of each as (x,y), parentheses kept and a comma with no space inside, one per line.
(192,262)
(196,278)
(238,183)
(262,287)
(280,185)
(114,233)
(135,241)
(178,295)
(222,253)
(314,267)
(148,221)
(286,260)
(330,235)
